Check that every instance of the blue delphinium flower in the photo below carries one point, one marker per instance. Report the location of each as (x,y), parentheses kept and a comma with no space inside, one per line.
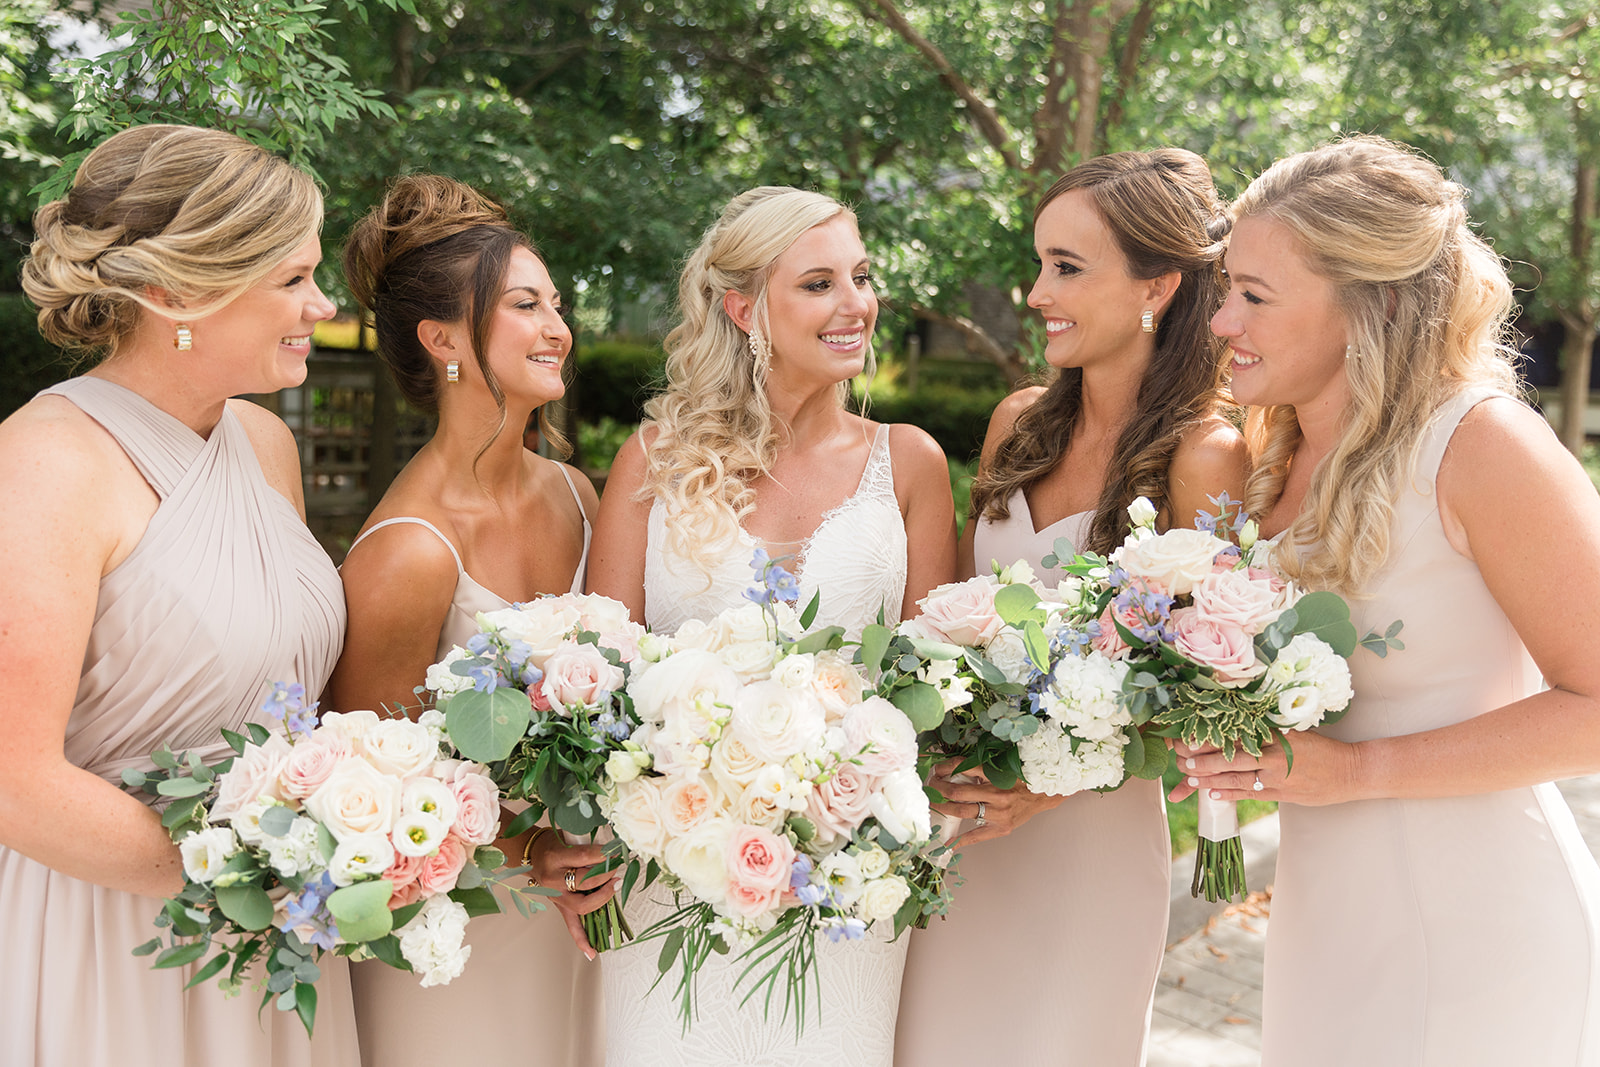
(776,582)
(310,909)
(285,697)
(841,928)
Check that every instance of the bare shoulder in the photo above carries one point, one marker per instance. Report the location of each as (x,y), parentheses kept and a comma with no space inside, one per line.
(49,447)
(915,453)
(1005,416)
(585,490)
(1213,450)
(401,555)
(627,472)
(275,447)
(1502,446)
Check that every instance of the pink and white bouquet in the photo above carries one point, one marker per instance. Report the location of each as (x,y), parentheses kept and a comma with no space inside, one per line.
(357,836)
(1219,650)
(539,694)
(771,791)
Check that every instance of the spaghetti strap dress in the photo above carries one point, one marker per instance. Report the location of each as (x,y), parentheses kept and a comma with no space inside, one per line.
(527,992)
(225,593)
(1068,913)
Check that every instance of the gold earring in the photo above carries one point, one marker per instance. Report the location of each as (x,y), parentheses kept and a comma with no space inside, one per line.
(761,358)
(452,371)
(183,339)
(1147,321)
(1350,353)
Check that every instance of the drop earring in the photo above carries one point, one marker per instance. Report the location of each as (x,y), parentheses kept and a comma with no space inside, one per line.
(1350,352)
(182,339)
(761,358)
(1147,321)
(452,371)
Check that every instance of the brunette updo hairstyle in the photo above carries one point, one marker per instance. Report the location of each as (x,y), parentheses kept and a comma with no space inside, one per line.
(1162,209)
(200,214)
(434,250)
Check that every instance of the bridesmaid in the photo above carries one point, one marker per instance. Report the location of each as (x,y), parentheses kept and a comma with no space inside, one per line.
(1435,903)
(1069,909)
(470,326)
(156,576)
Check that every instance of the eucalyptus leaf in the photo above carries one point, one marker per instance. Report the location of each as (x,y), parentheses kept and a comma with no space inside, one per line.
(182,787)
(276,820)
(874,643)
(1327,616)
(182,955)
(247,905)
(479,901)
(487,726)
(362,910)
(922,704)
(1017,603)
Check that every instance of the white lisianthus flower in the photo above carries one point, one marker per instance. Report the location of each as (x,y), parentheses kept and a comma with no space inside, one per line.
(1298,708)
(624,765)
(841,873)
(297,852)
(432,941)
(901,807)
(205,852)
(1019,573)
(429,796)
(1069,591)
(418,833)
(881,898)
(360,856)
(247,821)
(1316,666)
(653,648)
(442,681)
(432,720)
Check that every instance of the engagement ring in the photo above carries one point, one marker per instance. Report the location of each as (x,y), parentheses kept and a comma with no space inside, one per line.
(1258,787)
(982,816)
(572,880)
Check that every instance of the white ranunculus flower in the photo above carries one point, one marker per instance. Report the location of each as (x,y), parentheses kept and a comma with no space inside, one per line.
(1142,512)
(1008,652)
(901,807)
(795,671)
(1176,561)
(880,737)
(775,722)
(444,682)
(356,799)
(255,773)
(692,685)
(881,898)
(432,941)
(358,856)
(400,747)
(205,852)
(699,859)
(297,852)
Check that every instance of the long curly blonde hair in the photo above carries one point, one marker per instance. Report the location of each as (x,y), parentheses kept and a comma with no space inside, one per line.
(1426,303)
(715,431)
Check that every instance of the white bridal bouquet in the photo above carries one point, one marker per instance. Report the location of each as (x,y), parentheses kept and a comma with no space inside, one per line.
(539,694)
(771,791)
(357,835)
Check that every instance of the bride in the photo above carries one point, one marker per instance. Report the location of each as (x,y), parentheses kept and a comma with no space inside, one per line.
(750,446)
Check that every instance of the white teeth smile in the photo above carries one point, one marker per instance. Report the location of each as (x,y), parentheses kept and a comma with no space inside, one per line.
(1243,360)
(293,341)
(549,360)
(842,338)
(1054,327)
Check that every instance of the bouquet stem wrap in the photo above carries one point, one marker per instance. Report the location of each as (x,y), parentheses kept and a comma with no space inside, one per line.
(1219,859)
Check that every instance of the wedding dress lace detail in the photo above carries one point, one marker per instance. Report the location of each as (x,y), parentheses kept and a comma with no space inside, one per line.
(856,557)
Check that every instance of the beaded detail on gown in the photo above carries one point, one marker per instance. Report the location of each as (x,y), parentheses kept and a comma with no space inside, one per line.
(857,557)
(225,593)
(1444,931)
(1069,911)
(527,970)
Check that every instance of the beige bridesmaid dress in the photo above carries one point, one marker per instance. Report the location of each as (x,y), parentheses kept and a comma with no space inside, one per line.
(1054,940)
(225,593)
(527,993)
(1445,932)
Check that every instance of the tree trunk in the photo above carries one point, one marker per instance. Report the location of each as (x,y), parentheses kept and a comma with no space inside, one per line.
(1579,319)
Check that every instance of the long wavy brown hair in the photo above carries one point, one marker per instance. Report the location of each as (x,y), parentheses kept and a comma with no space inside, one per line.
(1162,209)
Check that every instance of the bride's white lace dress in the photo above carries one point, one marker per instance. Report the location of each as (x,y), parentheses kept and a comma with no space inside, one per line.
(857,559)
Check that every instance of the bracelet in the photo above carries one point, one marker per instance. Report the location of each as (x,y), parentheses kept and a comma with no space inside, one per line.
(527,852)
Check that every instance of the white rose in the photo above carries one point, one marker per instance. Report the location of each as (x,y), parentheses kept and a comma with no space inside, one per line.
(795,671)
(695,634)
(881,898)
(755,806)
(837,684)
(356,799)
(432,941)
(1176,561)
(874,862)
(399,747)
(901,807)
(1008,652)
(205,852)
(775,722)
(359,856)
(1142,512)
(255,773)
(625,765)
(882,736)
(693,685)
(600,614)
(733,765)
(578,674)
(297,852)
(636,816)
(444,682)
(699,859)
(352,726)
(541,624)
(751,660)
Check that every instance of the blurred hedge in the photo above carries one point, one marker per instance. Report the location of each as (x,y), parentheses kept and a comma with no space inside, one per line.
(956,417)
(28,363)
(615,378)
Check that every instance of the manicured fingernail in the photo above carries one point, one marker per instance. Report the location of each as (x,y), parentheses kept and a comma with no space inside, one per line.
(1191,781)
(1216,794)
(1189,763)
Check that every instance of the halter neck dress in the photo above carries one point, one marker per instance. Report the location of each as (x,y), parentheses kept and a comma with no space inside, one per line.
(1067,913)
(225,593)
(527,992)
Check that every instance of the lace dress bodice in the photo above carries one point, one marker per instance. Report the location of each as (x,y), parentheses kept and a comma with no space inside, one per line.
(856,557)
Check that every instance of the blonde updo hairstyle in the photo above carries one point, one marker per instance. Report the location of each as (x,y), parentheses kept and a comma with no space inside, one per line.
(1425,302)
(715,430)
(435,250)
(201,214)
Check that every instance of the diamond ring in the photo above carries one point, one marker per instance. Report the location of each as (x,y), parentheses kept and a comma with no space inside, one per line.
(572,880)
(1258,787)
(983,816)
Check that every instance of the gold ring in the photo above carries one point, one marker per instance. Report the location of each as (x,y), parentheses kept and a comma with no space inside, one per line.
(572,880)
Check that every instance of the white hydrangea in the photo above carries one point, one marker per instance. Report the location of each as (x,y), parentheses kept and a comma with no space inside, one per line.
(1050,766)
(442,680)
(432,941)
(296,852)
(1313,677)
(1085,695)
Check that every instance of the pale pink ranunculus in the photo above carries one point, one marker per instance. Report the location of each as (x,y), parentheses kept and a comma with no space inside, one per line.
(1224,647)
(477,809)
(759,859)
(1238,598)
(440,870)
(751,902)
(843,802)
(311,762)
(960,613)
(880,737)
(686,802)
(578,674)
(254,774)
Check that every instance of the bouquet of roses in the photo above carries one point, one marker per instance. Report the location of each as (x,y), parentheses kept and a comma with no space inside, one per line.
(355,836)
(1222,651)
(539,694)
(771,792)
(1000,674)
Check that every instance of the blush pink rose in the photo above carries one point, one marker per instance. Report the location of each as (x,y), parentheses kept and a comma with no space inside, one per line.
(403,874)
(1110,643)
(759,859)
(1224,647)
(310,763)
(578,674)
(477,808)
(686,803)
(961,613)
(843,802)
(440,870)
(749,902)
(1238,598)
(254,775)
